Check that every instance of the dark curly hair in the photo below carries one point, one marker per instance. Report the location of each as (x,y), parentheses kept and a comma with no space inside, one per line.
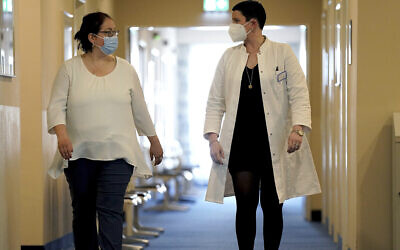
(252,9)
(90,24)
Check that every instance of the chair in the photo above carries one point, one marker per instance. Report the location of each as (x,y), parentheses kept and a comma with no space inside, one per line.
(135,196)
(128,239)
(168,174)
(169,170)
(155,188)
(184,184)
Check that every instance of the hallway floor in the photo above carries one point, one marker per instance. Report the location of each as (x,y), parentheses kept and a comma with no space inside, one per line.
(212,226)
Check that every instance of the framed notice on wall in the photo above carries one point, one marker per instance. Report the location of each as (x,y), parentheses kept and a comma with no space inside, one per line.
(7,58)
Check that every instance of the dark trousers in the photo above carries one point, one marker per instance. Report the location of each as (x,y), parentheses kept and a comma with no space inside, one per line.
(98,186)
(247,192)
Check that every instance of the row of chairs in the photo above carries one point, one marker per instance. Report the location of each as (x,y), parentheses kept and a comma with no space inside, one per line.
(133,230)
(136,236)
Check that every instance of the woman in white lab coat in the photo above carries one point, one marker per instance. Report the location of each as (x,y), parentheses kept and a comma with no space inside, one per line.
(261,89)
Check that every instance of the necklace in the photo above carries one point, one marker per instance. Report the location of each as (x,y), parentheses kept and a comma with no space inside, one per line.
(248,77)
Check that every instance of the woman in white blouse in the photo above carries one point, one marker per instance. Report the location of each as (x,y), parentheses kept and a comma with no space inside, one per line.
(261,90)
(96,108)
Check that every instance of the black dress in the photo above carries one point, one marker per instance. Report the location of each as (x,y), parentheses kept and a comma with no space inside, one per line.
(250,149)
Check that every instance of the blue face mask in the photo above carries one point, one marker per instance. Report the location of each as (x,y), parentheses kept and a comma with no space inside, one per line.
(110,44)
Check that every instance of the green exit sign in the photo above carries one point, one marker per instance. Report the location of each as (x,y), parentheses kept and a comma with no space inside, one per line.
(7,5)
(216,5)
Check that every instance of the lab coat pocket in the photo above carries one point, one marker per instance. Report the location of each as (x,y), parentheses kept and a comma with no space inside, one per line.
(279,81)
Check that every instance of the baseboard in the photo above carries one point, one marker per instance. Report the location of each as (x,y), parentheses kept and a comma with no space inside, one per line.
(64,243)
(316,215)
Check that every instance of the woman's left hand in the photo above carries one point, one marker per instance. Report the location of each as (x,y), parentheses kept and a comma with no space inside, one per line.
(156,151)
(294,142)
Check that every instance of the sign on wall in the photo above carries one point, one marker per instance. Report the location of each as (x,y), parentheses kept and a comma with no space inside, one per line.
(216,5)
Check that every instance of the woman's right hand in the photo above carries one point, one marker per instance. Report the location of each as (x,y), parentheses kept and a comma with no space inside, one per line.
(217,152)
(64,143)
(65,147)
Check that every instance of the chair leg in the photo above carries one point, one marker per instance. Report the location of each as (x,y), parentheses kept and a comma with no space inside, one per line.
(183,185)
(154,229)
(136,226)
(131,247)
(133,240)
(129,229)
(177,194)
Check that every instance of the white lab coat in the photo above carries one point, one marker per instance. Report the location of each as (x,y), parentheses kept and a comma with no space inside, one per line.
(286,103)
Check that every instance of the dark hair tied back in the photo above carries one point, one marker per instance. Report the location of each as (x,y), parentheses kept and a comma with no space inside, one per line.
(91,23)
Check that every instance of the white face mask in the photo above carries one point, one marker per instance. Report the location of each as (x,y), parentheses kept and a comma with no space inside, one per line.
(237,32)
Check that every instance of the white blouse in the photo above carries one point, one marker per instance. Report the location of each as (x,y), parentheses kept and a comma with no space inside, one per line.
(102,114)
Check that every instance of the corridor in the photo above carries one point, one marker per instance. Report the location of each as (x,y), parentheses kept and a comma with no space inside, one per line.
(348,50)
(211,226)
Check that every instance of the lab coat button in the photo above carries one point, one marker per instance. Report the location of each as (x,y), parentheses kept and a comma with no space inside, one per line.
(273,154)
(265,92)
(262,71)
(270,133)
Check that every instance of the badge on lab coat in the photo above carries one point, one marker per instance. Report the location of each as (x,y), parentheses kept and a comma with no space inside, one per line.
(281,76)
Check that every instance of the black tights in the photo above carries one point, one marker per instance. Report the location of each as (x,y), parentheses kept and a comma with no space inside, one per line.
(247,186)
